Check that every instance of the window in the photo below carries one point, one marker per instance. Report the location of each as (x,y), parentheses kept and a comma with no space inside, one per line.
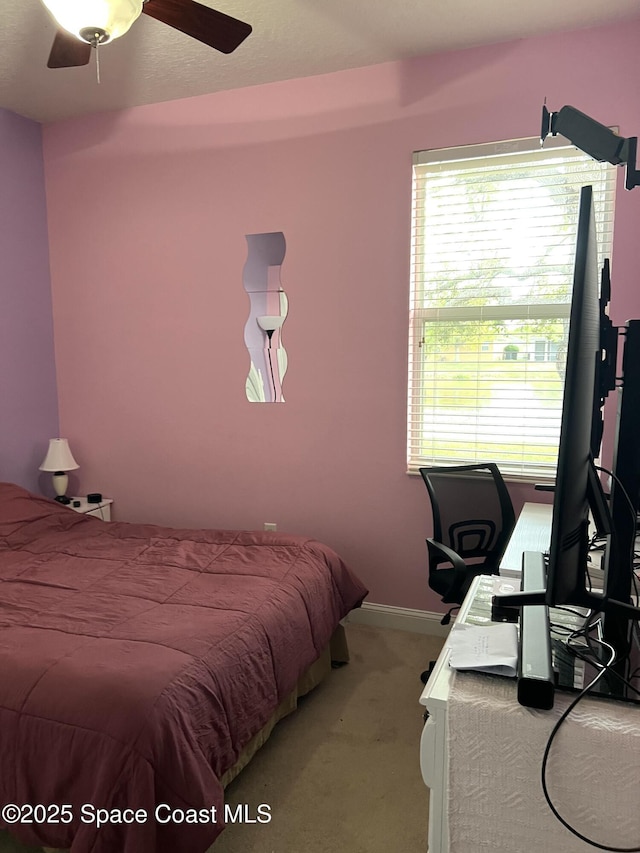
(493,242)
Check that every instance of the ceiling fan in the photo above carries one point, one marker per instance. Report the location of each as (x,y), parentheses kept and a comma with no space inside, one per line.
(85,24)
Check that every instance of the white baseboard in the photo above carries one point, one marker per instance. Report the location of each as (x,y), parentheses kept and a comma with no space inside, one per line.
(400,618)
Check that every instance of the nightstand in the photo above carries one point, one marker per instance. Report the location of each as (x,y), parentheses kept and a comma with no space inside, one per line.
(101,510)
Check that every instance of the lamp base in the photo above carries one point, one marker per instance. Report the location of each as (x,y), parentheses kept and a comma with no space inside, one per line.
(60,483)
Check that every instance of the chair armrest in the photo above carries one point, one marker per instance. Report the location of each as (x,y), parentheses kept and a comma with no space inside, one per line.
(444,553)
(440,553)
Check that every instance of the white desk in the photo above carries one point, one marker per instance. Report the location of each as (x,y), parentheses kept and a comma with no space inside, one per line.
(531,533)
(481,756)
(434,757)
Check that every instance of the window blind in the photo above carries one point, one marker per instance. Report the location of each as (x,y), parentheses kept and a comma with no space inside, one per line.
(492,251)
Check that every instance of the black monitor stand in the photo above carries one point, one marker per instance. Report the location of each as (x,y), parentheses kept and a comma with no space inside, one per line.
(625,495)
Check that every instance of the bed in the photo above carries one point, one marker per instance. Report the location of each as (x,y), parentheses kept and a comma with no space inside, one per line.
(140,667)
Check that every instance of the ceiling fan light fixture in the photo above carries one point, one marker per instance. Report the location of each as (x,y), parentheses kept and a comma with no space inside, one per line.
(86,19)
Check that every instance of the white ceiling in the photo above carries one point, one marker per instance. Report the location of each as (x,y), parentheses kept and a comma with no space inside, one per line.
(290,38)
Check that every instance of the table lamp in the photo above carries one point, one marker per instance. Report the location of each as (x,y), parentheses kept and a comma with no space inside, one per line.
(58,461)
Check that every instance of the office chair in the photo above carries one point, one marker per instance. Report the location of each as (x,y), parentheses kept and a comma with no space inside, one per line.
(473,519)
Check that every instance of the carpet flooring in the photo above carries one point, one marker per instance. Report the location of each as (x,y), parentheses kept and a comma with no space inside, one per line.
(342,774)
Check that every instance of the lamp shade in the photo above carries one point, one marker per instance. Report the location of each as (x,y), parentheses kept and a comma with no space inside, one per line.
(59,457)
(113,17)
(270,322)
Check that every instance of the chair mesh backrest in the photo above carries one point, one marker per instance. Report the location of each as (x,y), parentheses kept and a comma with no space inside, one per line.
(472,510)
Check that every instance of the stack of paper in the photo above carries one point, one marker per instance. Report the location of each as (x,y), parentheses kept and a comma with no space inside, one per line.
(485,648)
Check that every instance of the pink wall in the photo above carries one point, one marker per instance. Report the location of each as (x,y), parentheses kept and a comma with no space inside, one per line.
(149,307)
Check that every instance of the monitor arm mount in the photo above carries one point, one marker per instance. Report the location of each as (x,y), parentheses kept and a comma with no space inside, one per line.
(594,139)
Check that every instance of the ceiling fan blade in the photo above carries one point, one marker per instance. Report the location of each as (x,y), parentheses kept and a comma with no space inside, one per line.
(67,51)
(206,25)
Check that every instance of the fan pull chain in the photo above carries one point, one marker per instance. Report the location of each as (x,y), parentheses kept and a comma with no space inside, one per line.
(97,62)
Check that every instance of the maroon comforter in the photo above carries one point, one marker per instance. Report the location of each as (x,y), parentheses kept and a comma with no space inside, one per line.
(137,661)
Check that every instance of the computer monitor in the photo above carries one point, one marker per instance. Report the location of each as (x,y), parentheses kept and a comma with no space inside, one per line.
(578,488)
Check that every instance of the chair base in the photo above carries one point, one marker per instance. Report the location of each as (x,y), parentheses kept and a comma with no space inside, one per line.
(424,676)
(447,616)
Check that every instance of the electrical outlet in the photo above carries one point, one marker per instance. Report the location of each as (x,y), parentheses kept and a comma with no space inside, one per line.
(270,525)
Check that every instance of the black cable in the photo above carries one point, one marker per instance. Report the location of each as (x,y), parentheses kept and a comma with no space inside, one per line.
(570,632)
(560,629)
(615,673)
(629,504)
(635,673)
(586,571)
(635,634)
(622,489)
(634,580)
(604,668)
(585,633)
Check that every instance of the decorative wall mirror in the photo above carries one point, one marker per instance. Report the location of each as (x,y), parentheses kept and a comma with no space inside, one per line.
(268,311)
